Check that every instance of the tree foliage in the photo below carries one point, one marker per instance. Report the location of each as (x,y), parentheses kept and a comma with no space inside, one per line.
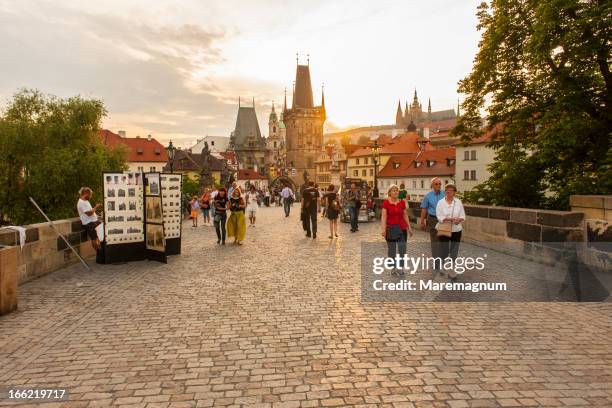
(543,71)
(190,187)
(50,149)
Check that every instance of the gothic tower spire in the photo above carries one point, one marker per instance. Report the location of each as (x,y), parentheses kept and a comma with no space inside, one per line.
(399,116)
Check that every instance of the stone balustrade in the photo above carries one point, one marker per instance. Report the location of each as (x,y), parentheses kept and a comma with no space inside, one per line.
(42,253)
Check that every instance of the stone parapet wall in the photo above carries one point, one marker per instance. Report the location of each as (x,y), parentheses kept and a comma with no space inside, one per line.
(44,251)
(540,233)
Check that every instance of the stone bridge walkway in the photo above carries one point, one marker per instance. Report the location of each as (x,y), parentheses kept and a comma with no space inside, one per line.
(278,322)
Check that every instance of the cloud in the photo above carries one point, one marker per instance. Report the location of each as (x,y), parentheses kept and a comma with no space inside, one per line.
(145,73)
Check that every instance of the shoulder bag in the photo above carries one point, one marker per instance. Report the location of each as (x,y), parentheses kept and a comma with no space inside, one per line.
(445,229)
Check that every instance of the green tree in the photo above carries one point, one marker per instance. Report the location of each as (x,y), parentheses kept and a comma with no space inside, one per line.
(190,187)
(543,71)
(50,149)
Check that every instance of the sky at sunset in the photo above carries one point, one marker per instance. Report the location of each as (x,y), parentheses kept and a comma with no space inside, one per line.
(175,69)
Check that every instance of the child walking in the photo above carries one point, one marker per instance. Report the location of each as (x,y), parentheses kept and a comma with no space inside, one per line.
(195,209)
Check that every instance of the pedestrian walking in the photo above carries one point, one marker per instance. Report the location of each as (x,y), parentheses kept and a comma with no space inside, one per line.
(221,204)
(332,210)
(402,192)
(354,204)
(267,197)
(450,214)
(288,196)
(213,195)
(395,227)
(236,223)
(252,202)
(428,212)
(88,216)
(310,205)
(205,206)
(195,209)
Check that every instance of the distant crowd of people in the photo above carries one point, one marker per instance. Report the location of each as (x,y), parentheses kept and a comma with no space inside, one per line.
(442,214)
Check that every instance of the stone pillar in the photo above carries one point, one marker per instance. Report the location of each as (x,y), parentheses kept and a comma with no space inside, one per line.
(9,258)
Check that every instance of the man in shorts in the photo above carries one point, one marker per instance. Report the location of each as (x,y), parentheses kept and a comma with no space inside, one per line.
(252,205)
(88,216)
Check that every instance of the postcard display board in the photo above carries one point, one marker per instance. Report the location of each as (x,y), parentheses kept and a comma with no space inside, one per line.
(171,195)
(155,240)
(136,215)
(123,217)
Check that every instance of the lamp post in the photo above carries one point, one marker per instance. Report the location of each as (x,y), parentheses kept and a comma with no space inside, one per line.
(375,157)
(171,151)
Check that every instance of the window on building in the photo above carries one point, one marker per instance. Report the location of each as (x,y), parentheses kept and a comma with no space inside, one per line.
(365,161)
(274,129)
(364,172)
(141,169)
(275,145)
(152,169)
(473,155)
(413,183)
(422,183)
(355,173)
(396,165)
(466,174)
(473,175)
(309,162)
(466,155)
(371,172)
(357,161)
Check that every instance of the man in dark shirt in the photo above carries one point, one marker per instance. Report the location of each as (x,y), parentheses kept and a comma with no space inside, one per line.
(311,205)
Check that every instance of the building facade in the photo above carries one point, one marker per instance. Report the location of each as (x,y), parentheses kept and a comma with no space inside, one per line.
(143,154)
(473,160)
(360,163)
(416,171)
(304,128)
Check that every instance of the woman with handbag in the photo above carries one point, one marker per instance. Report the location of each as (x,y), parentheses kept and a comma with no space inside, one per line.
(332,209)
(236,223)
(450,214)
(395,226)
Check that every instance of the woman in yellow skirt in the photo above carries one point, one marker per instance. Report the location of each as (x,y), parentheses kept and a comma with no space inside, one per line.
(236,223)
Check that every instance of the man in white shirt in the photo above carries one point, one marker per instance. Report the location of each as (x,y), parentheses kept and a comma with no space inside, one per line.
(88,216)
(288,197)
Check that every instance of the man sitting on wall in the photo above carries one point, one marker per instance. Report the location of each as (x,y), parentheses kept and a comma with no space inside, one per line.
(88,216)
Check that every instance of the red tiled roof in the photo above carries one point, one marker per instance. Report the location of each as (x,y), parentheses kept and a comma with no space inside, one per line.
(248,174)
(401,144)
(402,166)
(140,149)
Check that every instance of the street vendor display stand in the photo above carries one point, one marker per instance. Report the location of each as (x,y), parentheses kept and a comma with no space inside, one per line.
(140,221)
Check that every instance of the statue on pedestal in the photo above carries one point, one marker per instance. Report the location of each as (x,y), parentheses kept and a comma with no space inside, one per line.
(206,179)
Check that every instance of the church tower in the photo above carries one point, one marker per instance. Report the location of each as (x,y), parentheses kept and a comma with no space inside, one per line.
(304,128)
(275,141)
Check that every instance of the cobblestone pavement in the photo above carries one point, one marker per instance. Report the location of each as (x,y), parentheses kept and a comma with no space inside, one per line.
(278,322)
